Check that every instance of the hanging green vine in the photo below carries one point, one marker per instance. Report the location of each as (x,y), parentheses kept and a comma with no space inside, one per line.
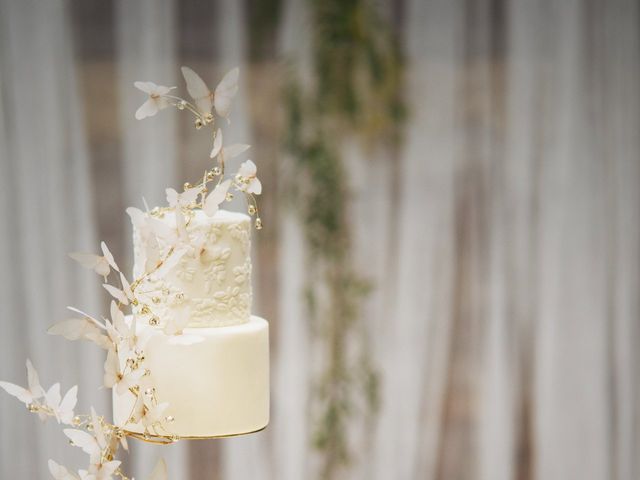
(356,93)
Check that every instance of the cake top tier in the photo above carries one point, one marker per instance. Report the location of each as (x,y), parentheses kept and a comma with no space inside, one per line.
(209,284)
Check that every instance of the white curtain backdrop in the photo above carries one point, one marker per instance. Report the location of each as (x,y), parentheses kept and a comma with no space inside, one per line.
(46,211)
(503,239)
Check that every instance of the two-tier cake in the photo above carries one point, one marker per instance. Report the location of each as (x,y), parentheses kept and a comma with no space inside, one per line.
(215,376)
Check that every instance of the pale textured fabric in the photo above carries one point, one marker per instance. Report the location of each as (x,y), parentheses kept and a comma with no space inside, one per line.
(46,211)
(503,238)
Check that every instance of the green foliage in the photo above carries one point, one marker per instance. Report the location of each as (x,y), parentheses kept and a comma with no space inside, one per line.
(356,93)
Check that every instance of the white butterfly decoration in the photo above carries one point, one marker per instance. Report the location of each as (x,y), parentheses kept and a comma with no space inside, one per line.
(120,331)
(184,199)
(248,180)
(157,99)
(117,373)
(101,264)
(228,152)
(149,413)
(91,445)
(84,328)
(28,395)
(62,408)
(178,201)
(124,295)
(216,197)
(198,90)
(204,99)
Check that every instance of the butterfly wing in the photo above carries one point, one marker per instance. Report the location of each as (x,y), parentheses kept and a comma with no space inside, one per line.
(189,196)
(17,391)
(87,260)
(67,405)
(198,90)
(225,91)
(116,293)
(33,380)
(172,197)
(217,144)
(83,440)
(216,197)
(74,329)
(234,150)
(111,369)
(108,256)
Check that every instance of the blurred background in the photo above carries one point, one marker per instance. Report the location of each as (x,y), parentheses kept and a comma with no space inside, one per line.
(450,259)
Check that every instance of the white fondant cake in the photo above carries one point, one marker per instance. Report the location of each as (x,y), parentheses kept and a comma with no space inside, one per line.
(214,374)
(217,387)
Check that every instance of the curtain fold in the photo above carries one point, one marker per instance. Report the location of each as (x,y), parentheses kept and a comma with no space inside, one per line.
(47,211)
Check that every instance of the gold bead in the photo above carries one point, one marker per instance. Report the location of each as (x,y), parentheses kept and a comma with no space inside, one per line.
(76,420)
(216,171)
(154,321)
(229,197)
(211,175)
(145,310)
(252,210)
(181,105)
(175,438)
(130,362)
(258,224)
(198,123)
(208,118)
(180,296)
(186,185)
(155,300)
(32,407)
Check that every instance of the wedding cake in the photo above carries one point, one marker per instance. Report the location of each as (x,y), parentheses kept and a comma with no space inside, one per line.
(185,358)
(205,360)
(215,376)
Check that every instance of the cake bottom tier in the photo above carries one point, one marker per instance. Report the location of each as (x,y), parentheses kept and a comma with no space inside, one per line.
(216,387)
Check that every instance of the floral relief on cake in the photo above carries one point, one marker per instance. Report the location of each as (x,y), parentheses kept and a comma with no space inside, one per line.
(215,269)
(228,306)
(240,232)
(242,273)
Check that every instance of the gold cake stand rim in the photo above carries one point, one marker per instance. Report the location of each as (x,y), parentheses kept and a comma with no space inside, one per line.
(167,439)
